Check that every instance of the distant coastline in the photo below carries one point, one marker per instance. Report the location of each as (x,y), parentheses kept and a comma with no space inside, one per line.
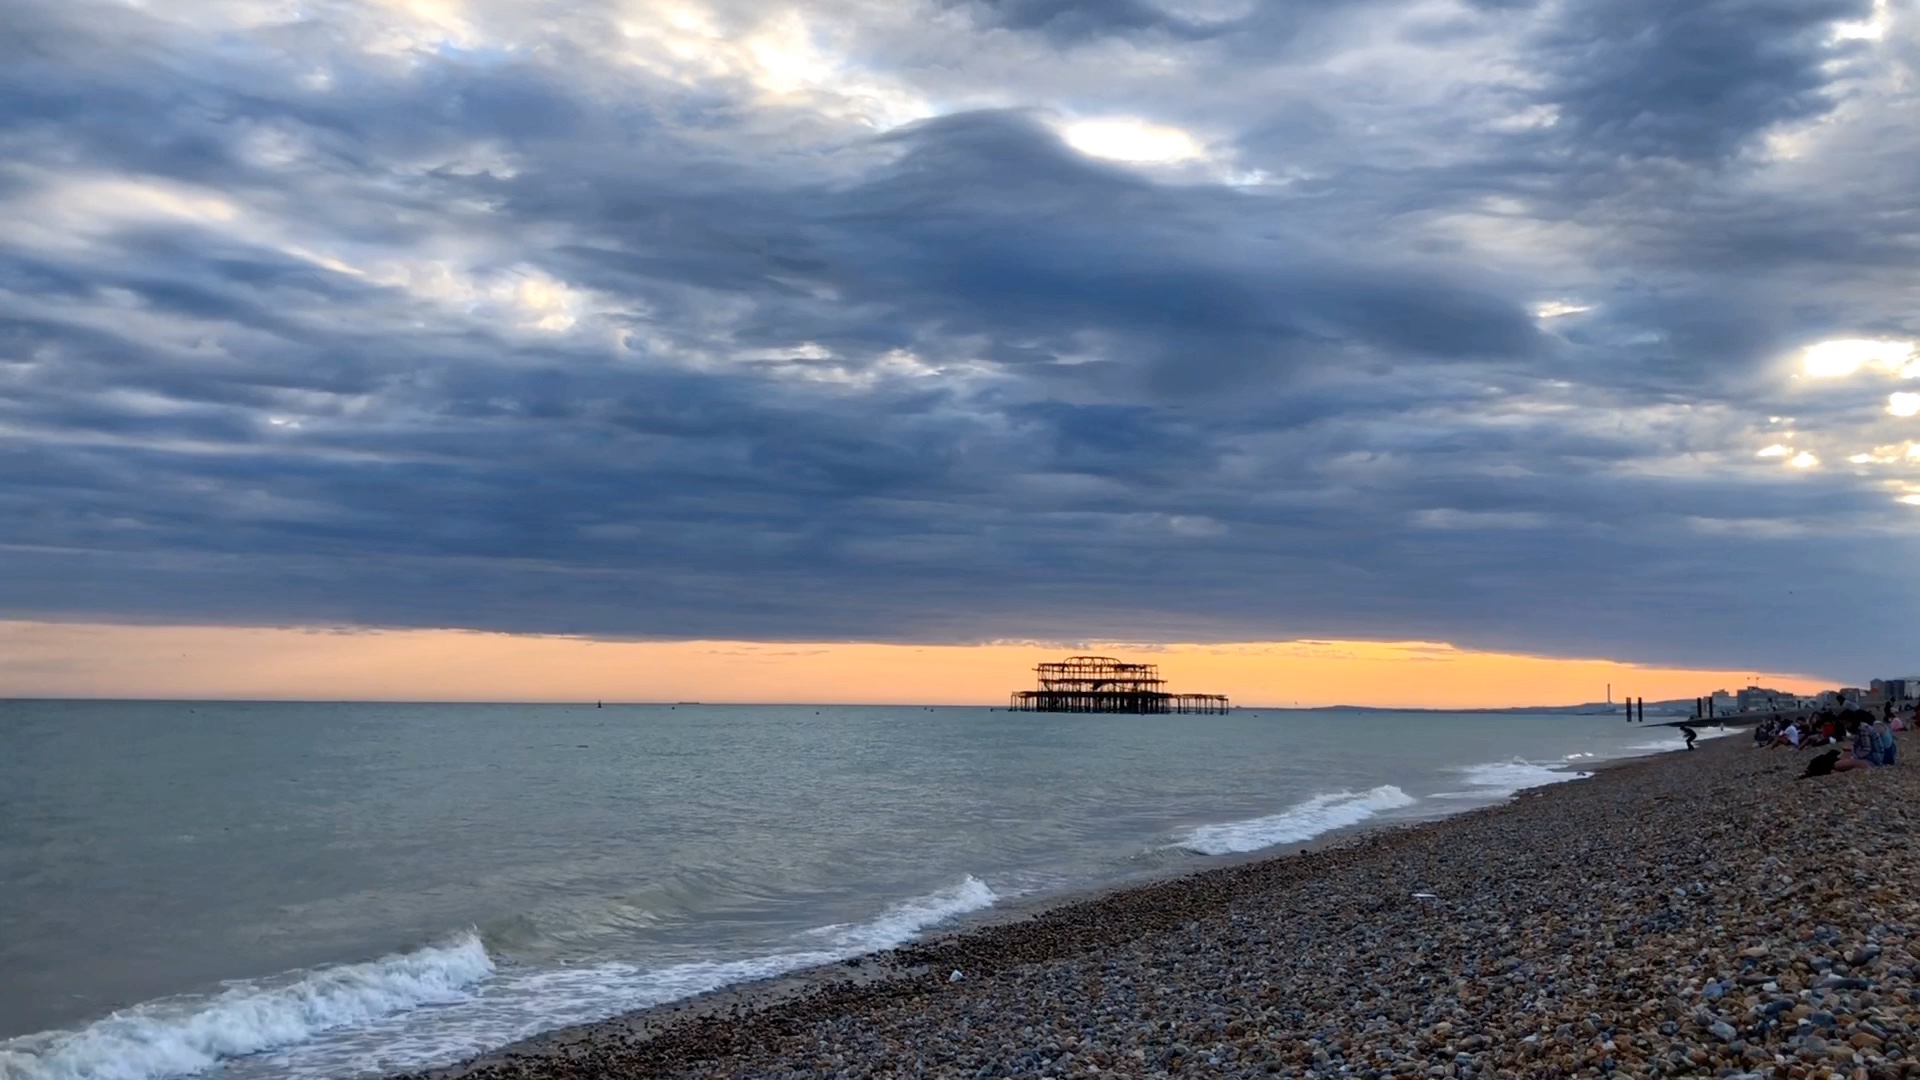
(1597,708)
(1665,708)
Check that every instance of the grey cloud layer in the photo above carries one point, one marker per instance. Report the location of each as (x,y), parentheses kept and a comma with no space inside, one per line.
(511,323)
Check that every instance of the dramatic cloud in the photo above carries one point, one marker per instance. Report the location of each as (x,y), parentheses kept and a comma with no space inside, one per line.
(1574,326)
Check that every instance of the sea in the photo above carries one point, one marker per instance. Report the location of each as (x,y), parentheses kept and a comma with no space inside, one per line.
(274,890)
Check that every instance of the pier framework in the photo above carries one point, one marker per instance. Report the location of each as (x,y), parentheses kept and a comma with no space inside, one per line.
(1102,684)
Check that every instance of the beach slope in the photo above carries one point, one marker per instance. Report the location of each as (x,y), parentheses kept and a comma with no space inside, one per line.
(1699,913)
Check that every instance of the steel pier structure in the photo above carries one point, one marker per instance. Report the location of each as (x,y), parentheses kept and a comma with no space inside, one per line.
(1101,684)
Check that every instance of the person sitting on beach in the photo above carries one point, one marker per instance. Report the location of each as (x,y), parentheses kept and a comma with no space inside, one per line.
(1884,744)
(1860,749)
(1861,742)
(1789,736)
(1765,732)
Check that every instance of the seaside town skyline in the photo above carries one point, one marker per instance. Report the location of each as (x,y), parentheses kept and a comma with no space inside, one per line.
(1448,352)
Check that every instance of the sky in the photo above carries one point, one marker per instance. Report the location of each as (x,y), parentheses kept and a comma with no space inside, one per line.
(265,663)
(1546,332)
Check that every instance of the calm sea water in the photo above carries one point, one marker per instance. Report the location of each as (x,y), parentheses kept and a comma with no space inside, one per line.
(306,890)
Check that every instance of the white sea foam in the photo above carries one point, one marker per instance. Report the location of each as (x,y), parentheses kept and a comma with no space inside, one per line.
(1495,780)
(178,1037)
(1303,821)
(899,923)
(367,1019)
(1678,741)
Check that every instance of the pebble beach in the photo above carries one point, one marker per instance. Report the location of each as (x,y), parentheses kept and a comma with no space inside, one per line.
(1692,914)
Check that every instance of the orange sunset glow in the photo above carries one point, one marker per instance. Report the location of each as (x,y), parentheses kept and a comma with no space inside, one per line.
(81,660)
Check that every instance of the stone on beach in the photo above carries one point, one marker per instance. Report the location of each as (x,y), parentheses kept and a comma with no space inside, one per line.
(1698,914)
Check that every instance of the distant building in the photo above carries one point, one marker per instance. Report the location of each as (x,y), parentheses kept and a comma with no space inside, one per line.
(1762,699)
(1902,689)
(1723,703)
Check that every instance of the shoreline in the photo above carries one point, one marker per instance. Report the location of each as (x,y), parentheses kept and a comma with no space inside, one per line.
(1633,923)
(516,963)
(902,963)
(986,937)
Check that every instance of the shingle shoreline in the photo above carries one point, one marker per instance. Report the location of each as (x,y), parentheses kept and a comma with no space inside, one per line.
(1693,914)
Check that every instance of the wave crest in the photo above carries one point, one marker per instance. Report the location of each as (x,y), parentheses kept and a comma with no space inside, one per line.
(898,924)
(1494,780)
(1302,821)
(178,1037)
(366,1019)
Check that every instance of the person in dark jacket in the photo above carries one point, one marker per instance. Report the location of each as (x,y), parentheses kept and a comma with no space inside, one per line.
(1821,765)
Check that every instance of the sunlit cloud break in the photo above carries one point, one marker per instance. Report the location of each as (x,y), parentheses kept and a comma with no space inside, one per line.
(1132,140)
(1838,359)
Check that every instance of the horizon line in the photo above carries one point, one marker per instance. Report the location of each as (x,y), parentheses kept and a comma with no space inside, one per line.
(603,702)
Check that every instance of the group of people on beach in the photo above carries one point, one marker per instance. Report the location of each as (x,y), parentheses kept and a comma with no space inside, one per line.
(1868,739)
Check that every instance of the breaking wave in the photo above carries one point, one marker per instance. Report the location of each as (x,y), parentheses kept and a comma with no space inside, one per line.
(899,923)
(1303,821)
(424,1008)
(1500,779)
(1677,741)
(181,1036)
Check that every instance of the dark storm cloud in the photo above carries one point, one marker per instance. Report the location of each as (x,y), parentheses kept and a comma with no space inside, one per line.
(1690,79)
(991,225)
(1263,24)
(520,326)
(1076,20)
